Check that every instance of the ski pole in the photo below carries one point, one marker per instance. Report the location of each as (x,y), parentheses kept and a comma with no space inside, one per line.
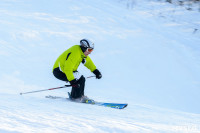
(90,77)
(51,88)
(46,89)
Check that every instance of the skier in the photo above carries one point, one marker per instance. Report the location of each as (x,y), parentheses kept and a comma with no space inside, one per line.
(65,68)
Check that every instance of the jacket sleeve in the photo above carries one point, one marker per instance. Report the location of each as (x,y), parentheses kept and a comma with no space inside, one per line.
(68,69)
(89,64)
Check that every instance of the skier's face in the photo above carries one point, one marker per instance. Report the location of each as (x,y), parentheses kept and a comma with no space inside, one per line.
(88,51)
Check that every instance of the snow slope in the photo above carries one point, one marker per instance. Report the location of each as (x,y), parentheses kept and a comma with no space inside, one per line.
(147,52)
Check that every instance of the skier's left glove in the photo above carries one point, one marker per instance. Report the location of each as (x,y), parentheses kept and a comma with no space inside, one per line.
(75,83)
(97,73)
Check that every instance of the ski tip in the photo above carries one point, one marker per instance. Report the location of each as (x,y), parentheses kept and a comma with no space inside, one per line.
(20,93)
(125,106)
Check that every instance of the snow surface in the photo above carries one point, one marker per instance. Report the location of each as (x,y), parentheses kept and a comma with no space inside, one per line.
(147,51)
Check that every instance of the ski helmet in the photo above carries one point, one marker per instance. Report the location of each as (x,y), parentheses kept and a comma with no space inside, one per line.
(85,44)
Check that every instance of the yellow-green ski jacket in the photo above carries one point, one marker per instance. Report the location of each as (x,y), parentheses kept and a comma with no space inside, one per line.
(69,61)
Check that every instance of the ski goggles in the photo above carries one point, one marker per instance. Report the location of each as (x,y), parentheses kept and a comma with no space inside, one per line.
(89,50)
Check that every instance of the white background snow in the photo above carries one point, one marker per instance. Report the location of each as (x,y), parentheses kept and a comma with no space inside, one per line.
(148,53)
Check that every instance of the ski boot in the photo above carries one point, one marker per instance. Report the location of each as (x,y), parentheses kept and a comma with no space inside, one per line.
(85,99)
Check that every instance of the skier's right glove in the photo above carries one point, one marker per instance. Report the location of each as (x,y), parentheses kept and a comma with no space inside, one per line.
(75,83)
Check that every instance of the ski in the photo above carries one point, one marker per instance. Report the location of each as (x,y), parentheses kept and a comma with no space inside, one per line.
(104,104)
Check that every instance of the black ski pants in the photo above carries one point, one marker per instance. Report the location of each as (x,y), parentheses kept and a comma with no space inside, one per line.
(76,92)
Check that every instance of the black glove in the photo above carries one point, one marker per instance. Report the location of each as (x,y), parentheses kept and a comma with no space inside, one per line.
(75,83)
(97,73)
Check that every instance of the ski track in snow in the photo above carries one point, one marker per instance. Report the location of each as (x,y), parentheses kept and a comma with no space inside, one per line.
(149,54)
